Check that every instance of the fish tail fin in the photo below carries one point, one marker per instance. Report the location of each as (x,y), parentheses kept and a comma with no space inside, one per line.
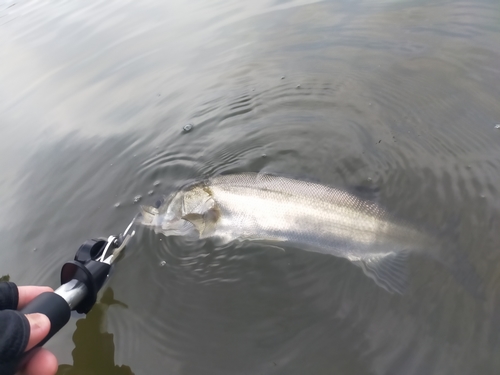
(388,271)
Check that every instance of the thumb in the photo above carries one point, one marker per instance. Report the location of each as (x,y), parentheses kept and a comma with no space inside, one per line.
(39,328)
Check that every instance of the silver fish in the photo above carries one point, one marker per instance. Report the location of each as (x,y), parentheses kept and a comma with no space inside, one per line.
(312,216)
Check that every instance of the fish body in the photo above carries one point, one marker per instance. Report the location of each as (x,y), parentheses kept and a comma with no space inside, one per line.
(309,215)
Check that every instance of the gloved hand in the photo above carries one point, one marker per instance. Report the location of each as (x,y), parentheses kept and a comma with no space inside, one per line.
(19,333)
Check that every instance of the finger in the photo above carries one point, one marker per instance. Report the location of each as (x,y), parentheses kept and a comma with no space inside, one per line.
(43,362)
(27,293)
(39,328)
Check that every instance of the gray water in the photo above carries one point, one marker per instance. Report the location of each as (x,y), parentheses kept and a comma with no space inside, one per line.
(400,95)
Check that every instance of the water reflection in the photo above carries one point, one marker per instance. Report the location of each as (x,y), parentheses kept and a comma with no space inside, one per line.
(94,352)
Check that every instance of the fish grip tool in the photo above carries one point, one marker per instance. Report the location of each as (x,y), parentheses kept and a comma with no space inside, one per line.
(81,280)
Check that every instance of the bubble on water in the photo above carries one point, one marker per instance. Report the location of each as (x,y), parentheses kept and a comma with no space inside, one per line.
(187,128)
(297,87)
(263,156)
(163,263)
(156,183)
(117,204)
(137,198)
(151,192)
(497,126)
(282,77)
(35,249)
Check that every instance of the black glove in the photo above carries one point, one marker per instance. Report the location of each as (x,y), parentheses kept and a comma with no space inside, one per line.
(14,329)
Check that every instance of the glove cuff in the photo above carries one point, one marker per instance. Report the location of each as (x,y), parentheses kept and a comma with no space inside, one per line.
(9,296)
(14,336)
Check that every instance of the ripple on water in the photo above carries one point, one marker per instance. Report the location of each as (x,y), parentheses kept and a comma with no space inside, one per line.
(212,278)
(413,158)
(401,123)
(403,92)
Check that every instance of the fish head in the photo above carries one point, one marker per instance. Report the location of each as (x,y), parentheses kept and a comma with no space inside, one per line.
(183,212)
(166,216)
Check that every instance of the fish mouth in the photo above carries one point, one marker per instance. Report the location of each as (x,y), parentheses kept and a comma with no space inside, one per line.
(177,227)
(149,214)
(169,226)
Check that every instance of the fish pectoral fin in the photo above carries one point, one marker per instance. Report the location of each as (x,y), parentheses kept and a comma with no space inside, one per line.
(269,238)
(388,271)
(274,247)
(148,214)
(205,223)
(197,220)
(210,217)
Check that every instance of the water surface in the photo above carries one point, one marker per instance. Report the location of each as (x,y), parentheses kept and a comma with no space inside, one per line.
(401,95)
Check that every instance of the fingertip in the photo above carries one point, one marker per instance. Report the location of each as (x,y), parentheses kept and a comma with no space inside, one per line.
(43,362)
(27,293)
(39,328)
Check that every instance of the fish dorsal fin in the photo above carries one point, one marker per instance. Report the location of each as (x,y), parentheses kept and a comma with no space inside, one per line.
(148,214)
(388,271)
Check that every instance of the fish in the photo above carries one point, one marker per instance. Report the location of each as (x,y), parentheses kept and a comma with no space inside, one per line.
(308,215)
